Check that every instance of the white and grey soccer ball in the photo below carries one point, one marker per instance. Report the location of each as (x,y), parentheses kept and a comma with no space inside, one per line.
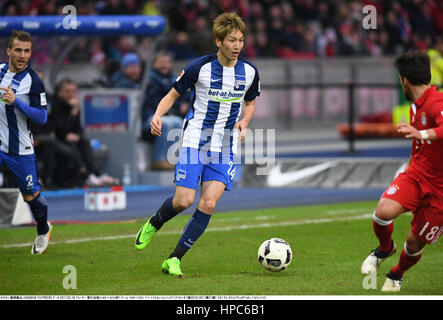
(275,254)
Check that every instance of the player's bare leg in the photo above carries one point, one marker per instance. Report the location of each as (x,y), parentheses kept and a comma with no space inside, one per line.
(383,223)
(210,194)
(410,255)
(183,198)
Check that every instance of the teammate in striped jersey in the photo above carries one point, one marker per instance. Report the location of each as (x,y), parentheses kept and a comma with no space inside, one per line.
(23,102)
(223,89)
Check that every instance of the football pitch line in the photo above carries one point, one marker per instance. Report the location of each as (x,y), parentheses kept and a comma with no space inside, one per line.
(231,228)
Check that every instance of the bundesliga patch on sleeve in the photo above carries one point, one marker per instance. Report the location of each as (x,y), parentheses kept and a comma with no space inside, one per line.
(43,101)
(180,76)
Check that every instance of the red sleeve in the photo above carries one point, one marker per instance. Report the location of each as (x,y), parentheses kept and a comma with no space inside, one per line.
(439,132)
(437,112)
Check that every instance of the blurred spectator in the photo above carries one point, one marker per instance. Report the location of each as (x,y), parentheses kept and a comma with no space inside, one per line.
(325,42)
(352,44)
(180,48)
(437,15)
(151,8)
(436,58)
(200,37)
(143,48)
(81,52)
(392,27)
(116,48)
(48,8)
(250,50)
(372,44)
(65,120)
(263,48)
(276,36)
(130,73)
(113,7)
(40,56)
(161,79)
(255,11)
(308,42)
(97,54)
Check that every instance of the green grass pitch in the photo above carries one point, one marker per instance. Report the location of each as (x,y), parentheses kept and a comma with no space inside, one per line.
(329,243)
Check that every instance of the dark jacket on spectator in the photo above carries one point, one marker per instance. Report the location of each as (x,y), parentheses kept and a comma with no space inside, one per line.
(62,121)
(120,80)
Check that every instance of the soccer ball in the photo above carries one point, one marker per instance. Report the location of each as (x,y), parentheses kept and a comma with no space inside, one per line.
(275,254)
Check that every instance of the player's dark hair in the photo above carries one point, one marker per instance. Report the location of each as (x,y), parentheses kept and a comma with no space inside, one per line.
(414,66)
(19,35)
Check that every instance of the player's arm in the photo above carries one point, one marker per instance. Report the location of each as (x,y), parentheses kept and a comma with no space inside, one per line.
(426,134)
(35,114)
(249,105)
(185,80)
(248,113)
(412,133)
(163,107)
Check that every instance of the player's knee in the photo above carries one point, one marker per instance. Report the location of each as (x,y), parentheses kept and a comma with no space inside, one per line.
(388,209)
(207,205)
(30,197)
(182,203)
(413,245)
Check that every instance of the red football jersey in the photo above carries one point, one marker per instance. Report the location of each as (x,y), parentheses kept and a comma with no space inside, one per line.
(427,156)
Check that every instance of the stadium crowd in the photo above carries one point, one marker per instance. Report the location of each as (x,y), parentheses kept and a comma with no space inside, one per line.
(277,28)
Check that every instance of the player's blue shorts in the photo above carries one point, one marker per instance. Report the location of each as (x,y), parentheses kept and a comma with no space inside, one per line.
(194,166)
(24,169)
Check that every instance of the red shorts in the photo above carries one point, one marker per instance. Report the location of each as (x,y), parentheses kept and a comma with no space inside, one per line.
(416,195)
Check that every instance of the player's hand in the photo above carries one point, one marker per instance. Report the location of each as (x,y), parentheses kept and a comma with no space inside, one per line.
(408,131)
(8,96)
(241,125)
(156,125)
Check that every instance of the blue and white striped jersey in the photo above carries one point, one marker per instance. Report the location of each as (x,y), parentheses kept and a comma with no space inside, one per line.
(217,97)
(15,127)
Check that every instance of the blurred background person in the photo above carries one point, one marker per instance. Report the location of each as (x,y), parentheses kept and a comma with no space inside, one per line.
(436,58)
(65,120)
(130,74)
(161,79)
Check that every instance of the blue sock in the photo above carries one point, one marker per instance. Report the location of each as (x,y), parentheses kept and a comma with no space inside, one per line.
(164,214)
(39,209)
(193,230)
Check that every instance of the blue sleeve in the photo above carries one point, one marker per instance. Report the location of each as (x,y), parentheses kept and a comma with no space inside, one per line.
(36,110)
(37,115)
(254,89)
(189,76)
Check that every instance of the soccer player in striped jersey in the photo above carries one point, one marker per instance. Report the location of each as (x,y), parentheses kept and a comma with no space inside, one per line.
(23,102)
(223,90)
